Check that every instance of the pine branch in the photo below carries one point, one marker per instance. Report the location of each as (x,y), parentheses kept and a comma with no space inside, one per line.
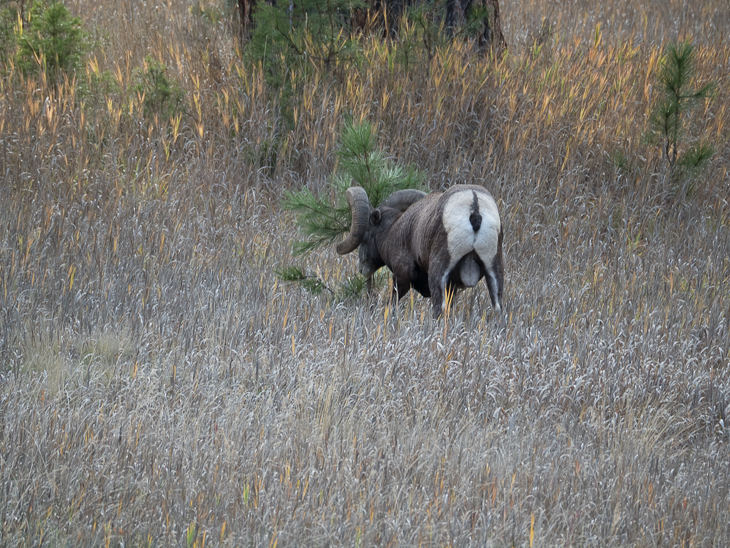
(294,274)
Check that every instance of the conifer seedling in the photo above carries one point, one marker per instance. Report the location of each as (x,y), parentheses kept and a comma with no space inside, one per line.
(677,100)
(324,218)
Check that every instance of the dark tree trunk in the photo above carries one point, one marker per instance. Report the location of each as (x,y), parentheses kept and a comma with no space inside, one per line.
(383,14)
(491,35)
(245,14)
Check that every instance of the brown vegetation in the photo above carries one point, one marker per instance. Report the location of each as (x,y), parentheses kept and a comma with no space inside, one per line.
(159,386)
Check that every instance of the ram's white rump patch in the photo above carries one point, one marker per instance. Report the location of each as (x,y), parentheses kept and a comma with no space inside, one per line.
(461,237)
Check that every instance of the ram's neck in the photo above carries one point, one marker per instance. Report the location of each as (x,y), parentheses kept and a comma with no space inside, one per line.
(387,238)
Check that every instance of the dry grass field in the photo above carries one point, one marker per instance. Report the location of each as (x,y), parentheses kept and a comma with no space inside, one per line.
(159,386)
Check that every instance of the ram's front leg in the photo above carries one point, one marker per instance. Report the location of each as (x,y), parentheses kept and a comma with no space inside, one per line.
(369,285)
(400,288)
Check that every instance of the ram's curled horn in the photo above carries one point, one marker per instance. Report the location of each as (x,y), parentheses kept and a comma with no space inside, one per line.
(359,204)
(402,199)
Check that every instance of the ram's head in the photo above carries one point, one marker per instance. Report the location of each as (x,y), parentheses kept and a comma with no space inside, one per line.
(369,223)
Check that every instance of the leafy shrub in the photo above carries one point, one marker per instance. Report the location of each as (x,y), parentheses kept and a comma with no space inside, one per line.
(9,18)
(54,43)
(208,12)
(162,96)
(289,41)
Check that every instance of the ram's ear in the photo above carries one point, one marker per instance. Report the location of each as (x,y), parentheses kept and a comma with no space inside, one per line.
(375,217)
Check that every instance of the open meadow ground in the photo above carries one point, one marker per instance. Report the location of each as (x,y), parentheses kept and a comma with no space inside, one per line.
(159,386)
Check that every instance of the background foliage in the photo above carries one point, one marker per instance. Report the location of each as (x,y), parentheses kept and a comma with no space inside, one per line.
(53,42)
(159,385)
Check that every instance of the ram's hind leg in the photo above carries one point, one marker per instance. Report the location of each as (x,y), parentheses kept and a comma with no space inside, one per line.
(495,284)
(438,278)
(495,281)
(443,294)
(495,291)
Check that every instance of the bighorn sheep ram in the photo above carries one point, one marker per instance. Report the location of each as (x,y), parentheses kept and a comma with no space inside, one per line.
(430,242)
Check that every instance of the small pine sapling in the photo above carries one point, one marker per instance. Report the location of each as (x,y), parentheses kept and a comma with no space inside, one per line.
(323,222)
(677,100)
(161,95)
(54,42)
(361,163)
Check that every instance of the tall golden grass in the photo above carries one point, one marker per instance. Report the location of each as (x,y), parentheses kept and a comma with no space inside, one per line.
(159,385)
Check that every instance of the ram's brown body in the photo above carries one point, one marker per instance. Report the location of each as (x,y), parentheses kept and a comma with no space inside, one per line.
(428,248)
